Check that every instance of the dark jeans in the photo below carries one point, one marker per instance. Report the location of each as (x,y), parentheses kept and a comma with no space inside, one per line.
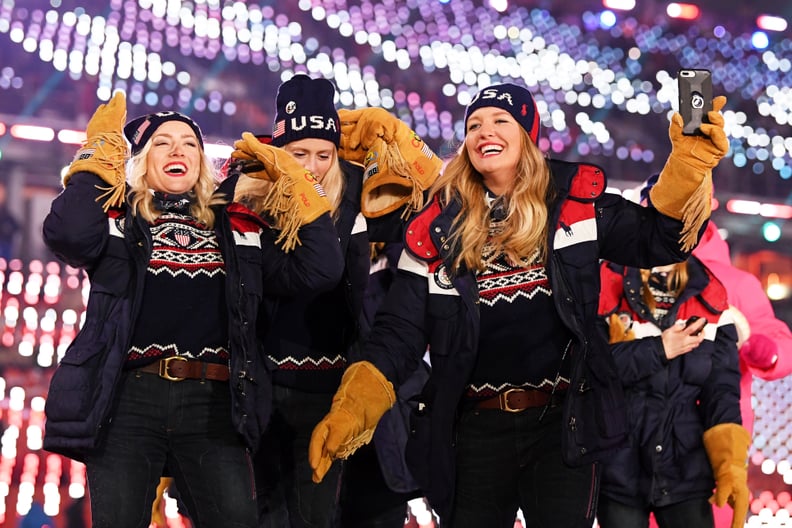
(507,461)
(288,497)
(366,499)
(695,513)
(183,428)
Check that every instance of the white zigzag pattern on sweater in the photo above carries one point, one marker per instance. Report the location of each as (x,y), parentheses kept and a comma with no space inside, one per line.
(173,350)
(507,285)
(324,361)
(184,249)
(546,385)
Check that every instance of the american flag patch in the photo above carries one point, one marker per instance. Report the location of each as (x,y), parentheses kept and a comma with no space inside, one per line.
(426,150)
(183,238)
(319,189)
(280,128)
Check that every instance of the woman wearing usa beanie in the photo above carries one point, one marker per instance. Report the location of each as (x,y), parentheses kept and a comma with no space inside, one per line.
(311,335)
(166,376)
(500,280)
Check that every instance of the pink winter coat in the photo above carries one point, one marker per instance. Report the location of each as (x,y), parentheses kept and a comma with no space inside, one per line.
(745,292)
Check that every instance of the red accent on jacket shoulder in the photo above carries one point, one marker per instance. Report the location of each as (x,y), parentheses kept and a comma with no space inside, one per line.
(588,184)
(416,236)
(243,219)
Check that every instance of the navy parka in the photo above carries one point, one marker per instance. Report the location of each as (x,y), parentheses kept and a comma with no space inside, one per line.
(429,307)
(114,248)
(302,324)
(670,403)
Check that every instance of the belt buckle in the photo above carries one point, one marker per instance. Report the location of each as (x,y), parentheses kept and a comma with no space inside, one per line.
(163,368)
(504,400)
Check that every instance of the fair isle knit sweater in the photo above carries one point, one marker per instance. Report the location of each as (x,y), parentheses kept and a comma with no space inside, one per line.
(309,348)
(523,343)
(185,281)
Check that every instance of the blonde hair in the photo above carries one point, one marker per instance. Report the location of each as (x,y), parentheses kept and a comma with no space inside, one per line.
(203,193)
(333,184)
(253,192)
(525,229)
(676,282)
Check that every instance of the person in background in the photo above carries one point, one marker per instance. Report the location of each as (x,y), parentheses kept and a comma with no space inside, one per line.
(500,280)
(167,375)
(376,484)
(765,342)
(311,336)
(675,346)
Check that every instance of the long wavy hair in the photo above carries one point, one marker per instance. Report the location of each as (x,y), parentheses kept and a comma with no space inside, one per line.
(202,194)
(525,229)
(253,192)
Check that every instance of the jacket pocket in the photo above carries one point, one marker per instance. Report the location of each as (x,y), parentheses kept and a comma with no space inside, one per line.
(394,430)
(579,267)
(443,314)
(78,382)
(417,452)
(696,367)
(690,460)
(417,455)
(251,265)
(596,421)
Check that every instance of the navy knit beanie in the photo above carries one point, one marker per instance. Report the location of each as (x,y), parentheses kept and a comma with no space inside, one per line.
(514,99)
(139,130)
(304,108)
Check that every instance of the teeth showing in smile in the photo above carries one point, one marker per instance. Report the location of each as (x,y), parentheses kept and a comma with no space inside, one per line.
(491,149)
(176,168)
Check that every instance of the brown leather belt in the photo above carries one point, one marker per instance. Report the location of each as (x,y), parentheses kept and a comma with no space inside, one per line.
(178,368)
(516,400)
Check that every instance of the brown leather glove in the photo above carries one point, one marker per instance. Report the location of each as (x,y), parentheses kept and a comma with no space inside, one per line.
(158,507)
(618,332)
(399,166)
(105,150)
(296,199)
(727,448)
(684,189)
(360,401)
